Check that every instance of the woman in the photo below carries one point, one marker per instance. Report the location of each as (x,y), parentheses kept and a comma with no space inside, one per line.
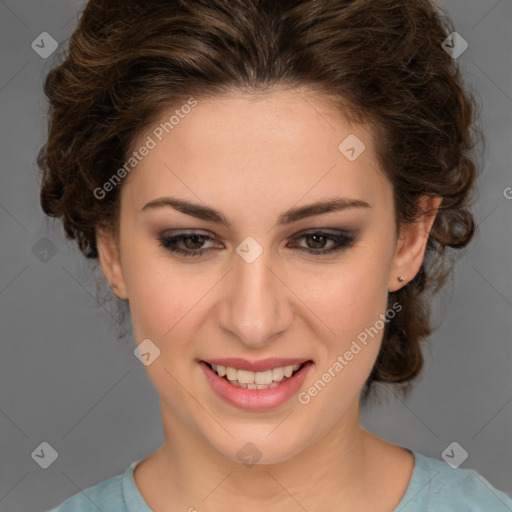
(270,187)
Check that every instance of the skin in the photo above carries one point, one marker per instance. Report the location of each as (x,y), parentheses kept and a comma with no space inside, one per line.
(252,158)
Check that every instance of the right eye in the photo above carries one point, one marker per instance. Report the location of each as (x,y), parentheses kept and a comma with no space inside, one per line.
(187,244)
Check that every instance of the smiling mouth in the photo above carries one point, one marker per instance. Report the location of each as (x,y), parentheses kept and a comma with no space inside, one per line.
(255,380)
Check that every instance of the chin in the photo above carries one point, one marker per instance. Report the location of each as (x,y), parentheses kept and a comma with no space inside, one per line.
(260,448)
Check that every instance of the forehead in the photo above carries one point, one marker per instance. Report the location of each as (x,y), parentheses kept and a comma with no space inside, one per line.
(277,146)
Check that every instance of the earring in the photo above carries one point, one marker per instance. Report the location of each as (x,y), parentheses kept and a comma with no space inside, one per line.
(113,286)
(401,279)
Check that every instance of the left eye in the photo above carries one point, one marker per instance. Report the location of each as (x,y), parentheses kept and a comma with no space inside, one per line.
(319,239)
(191,244)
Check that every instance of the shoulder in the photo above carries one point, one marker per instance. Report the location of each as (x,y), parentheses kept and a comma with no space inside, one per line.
(106,495)
(437,486)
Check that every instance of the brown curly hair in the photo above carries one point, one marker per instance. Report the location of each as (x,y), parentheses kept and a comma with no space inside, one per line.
(382,62)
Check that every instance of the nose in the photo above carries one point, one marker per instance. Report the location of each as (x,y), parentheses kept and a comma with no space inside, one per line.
(256,305)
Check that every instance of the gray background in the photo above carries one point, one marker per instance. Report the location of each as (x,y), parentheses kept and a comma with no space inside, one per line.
(63,378)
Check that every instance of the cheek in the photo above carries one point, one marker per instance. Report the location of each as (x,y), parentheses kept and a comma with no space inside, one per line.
(157,295)
(351,305)
(160,302)
(350,297)
(350,301)
(168,301)
(352,311)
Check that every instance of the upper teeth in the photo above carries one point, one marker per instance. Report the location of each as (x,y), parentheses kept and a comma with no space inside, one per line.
(248,377)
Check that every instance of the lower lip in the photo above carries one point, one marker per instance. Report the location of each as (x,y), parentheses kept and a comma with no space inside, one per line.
(256,399)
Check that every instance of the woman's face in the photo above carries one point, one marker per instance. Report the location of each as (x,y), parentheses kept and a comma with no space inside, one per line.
(257,289)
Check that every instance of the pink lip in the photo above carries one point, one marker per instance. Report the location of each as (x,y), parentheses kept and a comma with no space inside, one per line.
(256,399)
(255,366)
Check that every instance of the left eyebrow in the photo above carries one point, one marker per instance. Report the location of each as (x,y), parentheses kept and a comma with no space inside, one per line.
(293,215)
(319,208)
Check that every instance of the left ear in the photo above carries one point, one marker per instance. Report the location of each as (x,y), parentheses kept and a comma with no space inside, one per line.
(412,242)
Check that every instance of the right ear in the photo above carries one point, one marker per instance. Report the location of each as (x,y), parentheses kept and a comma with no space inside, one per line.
(108,255)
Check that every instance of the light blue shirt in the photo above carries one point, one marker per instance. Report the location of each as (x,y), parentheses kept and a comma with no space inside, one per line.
(434,487)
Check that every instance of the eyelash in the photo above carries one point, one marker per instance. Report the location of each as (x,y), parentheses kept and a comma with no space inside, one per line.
(342,241)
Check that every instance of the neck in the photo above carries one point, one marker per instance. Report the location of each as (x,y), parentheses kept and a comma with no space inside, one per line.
(202,477)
